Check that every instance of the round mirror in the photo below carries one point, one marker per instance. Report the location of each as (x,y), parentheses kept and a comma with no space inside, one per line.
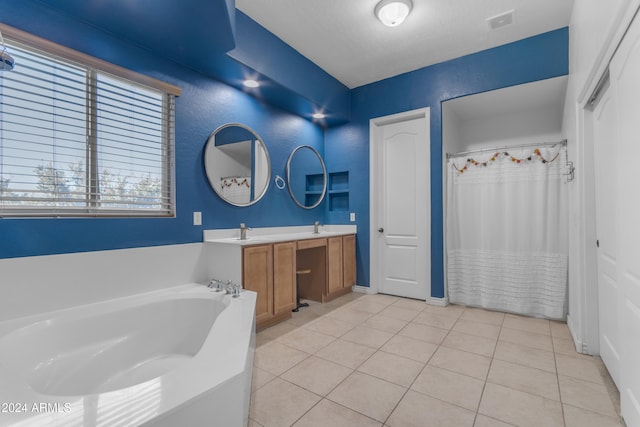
(306,177)
(237,164)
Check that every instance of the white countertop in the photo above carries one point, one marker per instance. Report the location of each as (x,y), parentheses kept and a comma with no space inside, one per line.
(263,235)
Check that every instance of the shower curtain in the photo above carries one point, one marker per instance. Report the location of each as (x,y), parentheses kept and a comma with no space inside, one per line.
(236,189)
(507,237)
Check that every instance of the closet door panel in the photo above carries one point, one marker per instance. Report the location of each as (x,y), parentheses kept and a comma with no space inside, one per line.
(624,70)
(609,294)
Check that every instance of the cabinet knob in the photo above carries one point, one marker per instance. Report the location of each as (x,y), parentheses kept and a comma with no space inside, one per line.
(380,230)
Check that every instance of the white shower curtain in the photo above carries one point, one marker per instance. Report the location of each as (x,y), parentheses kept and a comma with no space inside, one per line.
(236,189)
(507,237)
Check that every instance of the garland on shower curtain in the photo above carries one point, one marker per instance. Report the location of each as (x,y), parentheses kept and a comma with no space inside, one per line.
(228,182)
(499,154)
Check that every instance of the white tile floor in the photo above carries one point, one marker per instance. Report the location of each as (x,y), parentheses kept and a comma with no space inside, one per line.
(378,360)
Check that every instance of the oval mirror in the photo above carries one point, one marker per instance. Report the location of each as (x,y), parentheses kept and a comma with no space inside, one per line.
(237,164)
(306,177)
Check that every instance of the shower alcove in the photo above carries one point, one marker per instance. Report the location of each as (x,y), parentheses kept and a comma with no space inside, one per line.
(528,113)
(506,119)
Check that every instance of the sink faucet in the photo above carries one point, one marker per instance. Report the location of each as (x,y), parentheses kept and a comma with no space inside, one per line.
(243,231)
(316,227)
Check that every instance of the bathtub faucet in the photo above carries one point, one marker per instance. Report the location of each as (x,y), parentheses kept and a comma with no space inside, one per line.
(235,293)
(243,231)
(215,284)
(232,289)
(316,227)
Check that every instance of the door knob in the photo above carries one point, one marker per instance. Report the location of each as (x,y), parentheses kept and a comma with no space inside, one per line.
(380,230)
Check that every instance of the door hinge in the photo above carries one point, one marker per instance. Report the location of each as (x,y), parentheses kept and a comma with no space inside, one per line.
(598,243)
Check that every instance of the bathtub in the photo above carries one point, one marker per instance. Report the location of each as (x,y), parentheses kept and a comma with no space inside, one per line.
(181,356)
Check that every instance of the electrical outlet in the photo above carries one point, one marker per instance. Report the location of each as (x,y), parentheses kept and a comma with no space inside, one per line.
(352,217)
(197,218)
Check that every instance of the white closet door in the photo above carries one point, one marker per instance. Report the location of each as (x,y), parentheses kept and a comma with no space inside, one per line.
(609,294)
(625,82)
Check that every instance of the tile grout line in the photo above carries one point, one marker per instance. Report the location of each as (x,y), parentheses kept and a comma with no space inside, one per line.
(356,369)
(364,361)
(486,379)
(423,368)
(555,362)
(407,390)
(459,317)
(397,334)
(296,364)
(345,378)
(308,357)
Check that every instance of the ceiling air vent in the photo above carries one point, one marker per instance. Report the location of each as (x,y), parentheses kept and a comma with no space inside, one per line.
(501,20)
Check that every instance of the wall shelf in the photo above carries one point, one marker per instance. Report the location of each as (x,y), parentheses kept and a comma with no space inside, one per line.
(313,188)
(338,191)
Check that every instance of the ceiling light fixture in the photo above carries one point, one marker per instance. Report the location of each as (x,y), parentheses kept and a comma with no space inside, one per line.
(318,116)
(393,12)
(251,83)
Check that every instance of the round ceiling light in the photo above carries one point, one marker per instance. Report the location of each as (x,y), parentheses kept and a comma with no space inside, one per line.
(393,12)
(318,116)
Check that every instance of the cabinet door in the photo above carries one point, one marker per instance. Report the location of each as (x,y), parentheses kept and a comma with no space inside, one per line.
(349,260)
(334,263)
(257,275)
(284,276)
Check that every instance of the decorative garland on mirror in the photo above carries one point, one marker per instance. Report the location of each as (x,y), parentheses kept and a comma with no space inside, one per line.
(228,182)
(500,154)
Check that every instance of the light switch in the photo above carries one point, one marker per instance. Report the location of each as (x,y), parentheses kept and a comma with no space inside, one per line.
(197,218)
(352,217)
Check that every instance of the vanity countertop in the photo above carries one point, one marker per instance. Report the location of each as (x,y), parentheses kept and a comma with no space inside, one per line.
(265,235)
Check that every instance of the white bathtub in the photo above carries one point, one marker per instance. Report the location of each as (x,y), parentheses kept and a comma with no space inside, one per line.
(182,356)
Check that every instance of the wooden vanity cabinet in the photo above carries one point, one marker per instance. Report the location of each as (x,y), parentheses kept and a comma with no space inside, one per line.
(334,265)
(349,260)
(257,275)
(341,266)
(284,277)
(270,270)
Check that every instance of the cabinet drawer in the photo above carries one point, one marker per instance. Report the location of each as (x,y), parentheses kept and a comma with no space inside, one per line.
(311,243)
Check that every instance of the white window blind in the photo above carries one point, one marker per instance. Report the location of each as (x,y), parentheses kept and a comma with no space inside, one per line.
(75,140)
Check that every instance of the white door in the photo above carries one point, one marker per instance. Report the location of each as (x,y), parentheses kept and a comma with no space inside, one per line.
(402,222)
(624,72)
(605,150)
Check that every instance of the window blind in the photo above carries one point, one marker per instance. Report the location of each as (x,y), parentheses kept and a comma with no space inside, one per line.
(75,140)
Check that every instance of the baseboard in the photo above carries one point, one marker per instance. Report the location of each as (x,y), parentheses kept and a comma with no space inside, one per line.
(363,289)
(440,302)
(579,345)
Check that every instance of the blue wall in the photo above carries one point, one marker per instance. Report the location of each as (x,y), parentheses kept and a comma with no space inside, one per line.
(347,147)
(296,84)
(204,105)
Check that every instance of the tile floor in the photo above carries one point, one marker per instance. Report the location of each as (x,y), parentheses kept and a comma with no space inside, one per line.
(378,360)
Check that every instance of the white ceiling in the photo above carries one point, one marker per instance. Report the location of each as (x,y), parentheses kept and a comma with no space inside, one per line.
(514,99)
(345,39)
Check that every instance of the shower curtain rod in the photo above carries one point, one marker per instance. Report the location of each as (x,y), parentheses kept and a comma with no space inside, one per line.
(464,153)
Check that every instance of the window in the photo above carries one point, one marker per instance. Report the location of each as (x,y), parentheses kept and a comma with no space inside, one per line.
(77,140)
